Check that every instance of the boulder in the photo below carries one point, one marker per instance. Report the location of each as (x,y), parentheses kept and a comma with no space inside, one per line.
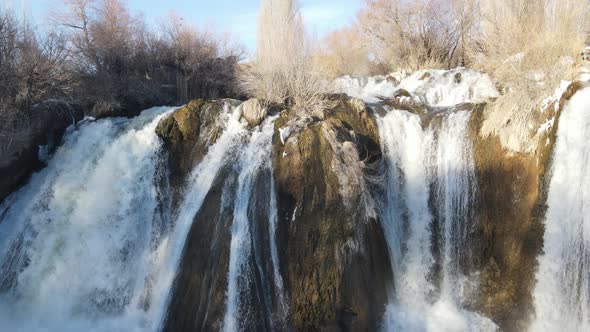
(254,112)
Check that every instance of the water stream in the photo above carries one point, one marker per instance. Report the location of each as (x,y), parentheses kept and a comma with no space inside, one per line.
(562,292)
(426,216)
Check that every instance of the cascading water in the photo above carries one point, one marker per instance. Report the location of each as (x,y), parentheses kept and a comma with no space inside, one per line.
(562,292)
(90,243)
(254,161)
(430,185)
(80,243)
(197,187)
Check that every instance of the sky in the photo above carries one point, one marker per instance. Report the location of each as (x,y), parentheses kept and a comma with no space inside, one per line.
(238,17)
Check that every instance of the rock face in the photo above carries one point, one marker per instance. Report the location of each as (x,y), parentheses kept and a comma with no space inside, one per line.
(332,250)
(198,297)
(510,212)
(254,112)
(188,133)
(47,127)
(333,257)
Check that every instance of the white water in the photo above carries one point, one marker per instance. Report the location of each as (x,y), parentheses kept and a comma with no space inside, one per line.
(417,159)
(79,242)
(197,187)
(89,244)
(438,88)
(255,157)
(282,306)
(562,292)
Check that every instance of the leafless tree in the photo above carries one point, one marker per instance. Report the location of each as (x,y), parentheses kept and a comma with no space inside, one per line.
(285,70)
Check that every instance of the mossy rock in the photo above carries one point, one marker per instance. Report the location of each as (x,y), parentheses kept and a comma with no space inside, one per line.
(509,236)
(331,286)
(402,93)
(187,134)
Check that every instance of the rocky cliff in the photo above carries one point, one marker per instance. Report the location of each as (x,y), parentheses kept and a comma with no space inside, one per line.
(510,211)
(334,259)
(332,253)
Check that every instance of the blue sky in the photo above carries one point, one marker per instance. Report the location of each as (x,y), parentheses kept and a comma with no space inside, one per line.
(235,16)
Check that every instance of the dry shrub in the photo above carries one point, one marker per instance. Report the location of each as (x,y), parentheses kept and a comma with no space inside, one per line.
(530,46)
(345,53)
(285,70)
(411,34)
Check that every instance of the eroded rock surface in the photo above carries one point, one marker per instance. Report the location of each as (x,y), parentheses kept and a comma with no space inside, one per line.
(333,252)
(510,211)
(333,256)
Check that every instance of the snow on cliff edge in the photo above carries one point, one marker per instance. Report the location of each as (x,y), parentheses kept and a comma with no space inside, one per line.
(437,88)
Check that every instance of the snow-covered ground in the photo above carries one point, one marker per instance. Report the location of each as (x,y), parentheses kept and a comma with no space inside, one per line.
(436,88)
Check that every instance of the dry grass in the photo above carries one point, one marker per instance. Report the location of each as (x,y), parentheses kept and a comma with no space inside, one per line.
(522,39)
(528,47)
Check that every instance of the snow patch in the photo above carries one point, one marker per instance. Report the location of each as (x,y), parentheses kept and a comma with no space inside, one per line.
(555,97)
(536,75)
(515,58)
(546,127)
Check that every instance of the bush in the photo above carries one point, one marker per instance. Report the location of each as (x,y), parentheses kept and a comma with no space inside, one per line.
(530,46)
(345,53)
(121,62)
(410,34)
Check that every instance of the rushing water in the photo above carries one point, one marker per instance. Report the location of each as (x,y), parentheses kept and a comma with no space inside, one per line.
(562,293)
(91,244)
(430,188)
(254,160)
(79,245)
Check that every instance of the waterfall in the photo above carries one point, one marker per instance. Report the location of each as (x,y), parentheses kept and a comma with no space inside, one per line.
(426,218)
(562,292)
(90,243)
(79,245)
(254,161)
(197,187)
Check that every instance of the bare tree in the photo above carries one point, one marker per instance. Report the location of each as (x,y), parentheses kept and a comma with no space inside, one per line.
(466,17)
(345,53)
(32,69)
(285,70)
